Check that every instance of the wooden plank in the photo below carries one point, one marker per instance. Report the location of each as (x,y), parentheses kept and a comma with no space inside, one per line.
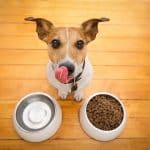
(105,58)
(135,108)
(81,7)
(120,44)
(134,129)
(16,57)
(46,4)
(68,12)
(121,72)
(100,72)
(125,89)
(106,30)
(120,56)
(121,144)
(75,20)
(21,42)
(23,72)
(99,45)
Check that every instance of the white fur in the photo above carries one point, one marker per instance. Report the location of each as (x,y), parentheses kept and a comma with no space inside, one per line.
(64,89)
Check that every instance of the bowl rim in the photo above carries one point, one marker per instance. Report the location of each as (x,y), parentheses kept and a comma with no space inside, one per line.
(122,105)
(23,98)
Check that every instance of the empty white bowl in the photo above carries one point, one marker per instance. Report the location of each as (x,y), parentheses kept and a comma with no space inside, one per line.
(37,117)
(96,133)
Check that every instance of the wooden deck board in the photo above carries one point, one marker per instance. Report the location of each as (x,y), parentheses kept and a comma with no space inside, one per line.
(108,58)
(125,44)
(136,108)
(120,56)
(88,144)
(125,89)
(100,72)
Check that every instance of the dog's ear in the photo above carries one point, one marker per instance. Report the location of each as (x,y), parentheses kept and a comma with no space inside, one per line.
(43,27)
(90,28)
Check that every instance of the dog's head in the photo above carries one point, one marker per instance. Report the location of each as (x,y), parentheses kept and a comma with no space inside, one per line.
(67,46)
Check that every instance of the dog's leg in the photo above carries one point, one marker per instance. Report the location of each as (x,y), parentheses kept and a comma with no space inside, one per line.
(78,95)
(62,92)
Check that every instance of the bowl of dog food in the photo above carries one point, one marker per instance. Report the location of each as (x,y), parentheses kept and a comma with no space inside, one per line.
(37,117)
(103,116)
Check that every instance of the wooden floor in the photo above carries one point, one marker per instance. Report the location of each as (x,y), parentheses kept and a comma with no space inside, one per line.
(120,56)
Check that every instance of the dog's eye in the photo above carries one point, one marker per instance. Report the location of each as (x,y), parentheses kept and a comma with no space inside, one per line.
(55,43)
(79,44)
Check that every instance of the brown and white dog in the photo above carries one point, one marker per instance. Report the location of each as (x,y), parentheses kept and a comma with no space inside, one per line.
(69,69)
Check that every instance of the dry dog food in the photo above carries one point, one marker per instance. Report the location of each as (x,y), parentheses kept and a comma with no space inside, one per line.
(104,112)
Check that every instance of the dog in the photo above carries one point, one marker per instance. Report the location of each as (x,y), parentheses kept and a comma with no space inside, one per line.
(69,69)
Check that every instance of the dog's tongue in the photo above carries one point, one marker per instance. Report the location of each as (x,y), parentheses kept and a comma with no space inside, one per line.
(61,74)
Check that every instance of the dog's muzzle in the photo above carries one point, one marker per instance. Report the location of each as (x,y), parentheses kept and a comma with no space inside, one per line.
(64,73)
(70,67)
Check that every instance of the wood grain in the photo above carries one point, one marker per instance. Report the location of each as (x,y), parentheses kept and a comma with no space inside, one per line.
(120,56)
(136,108)
(134,129)
(100,72)
(106,30)
(88,144)
(101,44)
(105,58)
(125,89)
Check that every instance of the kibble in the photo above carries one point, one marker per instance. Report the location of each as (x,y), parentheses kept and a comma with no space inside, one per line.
(104,112)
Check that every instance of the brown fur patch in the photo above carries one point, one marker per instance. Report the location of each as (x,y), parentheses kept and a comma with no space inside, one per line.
(90,28)
(68,37)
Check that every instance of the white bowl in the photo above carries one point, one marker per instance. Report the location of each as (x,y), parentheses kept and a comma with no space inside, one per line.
(37,117)
(96,133)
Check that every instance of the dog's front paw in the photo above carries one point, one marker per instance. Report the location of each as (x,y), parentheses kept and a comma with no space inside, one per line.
(62,94)
(78,96)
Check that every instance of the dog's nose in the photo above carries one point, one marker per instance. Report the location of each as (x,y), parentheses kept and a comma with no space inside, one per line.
(69,66)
